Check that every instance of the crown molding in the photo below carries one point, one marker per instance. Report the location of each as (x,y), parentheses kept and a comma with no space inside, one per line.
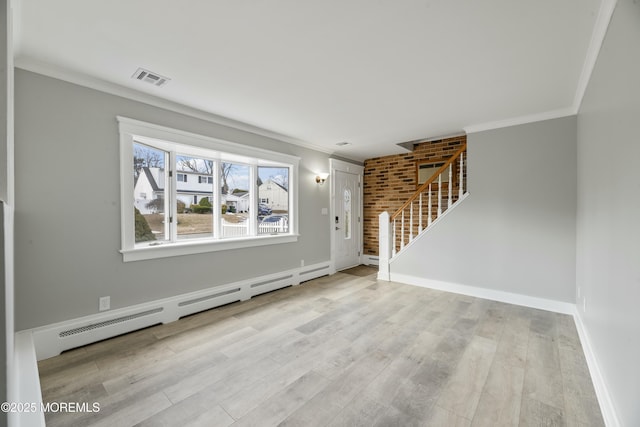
(603,19)
(520,120)
(597,39)
(90,82)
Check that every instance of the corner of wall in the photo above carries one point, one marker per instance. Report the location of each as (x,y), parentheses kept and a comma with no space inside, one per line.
(602,391)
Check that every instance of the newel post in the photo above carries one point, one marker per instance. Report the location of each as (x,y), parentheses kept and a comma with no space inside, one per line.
(384,246)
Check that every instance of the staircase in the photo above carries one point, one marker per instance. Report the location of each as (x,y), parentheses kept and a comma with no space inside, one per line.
(430,202)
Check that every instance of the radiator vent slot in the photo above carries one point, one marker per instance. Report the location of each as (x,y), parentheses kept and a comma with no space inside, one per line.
(150,77)
(208,297)
(314,270)
(255,285)
(106,323)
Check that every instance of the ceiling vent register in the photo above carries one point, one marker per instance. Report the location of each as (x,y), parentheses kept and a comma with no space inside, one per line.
(150,77)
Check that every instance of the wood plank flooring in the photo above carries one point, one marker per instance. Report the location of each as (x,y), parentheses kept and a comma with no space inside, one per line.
(344,350)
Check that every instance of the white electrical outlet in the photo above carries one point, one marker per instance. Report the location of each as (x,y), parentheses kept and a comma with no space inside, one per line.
(301,263)
(105,303)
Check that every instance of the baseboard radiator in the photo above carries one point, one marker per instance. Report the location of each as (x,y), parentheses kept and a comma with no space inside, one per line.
(370,260)
(51,340)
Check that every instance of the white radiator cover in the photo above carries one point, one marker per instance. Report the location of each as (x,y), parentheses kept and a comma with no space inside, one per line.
(51,340)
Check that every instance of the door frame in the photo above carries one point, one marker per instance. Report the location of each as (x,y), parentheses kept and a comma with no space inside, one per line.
(342,166)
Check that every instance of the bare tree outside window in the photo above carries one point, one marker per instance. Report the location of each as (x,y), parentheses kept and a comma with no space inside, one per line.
(225,171)
(146,157)
(202,166)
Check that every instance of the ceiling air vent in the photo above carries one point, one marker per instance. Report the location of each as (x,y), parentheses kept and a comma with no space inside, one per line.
(150,77)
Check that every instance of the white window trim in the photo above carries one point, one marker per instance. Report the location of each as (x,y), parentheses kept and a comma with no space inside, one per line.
(137,131)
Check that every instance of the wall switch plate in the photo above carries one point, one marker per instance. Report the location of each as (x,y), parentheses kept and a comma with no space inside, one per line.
(301,263)
(105,303)
(324,211)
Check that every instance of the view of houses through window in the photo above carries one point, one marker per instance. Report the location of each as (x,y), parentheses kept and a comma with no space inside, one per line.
(191,210)
(273,196)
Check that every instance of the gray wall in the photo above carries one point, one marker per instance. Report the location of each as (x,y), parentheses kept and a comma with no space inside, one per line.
(516,230)
(68,208)
(608,226)
(3,323)
(6,61)
(6,82)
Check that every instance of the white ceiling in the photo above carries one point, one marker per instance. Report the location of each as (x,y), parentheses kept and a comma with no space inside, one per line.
(371,72)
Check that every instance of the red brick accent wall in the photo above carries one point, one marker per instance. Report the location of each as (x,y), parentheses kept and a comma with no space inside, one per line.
(390,180)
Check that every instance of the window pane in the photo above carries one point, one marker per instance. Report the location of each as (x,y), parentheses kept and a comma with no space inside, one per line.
(193,197)
(347,214)
(273,200)
(234,179)
(149,193)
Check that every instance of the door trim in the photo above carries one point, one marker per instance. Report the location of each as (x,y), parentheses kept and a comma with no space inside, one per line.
(339,165)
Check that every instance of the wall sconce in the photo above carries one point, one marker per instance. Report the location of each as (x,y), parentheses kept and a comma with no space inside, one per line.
(321,178)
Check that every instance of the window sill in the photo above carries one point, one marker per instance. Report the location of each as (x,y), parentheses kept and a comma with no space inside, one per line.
(190,248)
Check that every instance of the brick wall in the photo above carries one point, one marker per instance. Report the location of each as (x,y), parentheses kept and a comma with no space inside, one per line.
(390,180)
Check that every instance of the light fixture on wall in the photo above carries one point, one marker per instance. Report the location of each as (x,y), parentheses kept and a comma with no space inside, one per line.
(322,177)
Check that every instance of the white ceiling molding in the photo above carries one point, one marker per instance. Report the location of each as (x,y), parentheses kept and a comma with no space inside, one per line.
(16,8)
(117,90)
(597,38)
(532,118)
(378,74)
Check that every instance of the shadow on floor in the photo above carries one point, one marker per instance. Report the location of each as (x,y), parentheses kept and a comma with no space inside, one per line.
(361,270)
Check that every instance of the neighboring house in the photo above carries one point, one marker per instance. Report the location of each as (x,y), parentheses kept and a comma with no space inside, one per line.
(191,187)
(239,200)
(146,188)
(274,195)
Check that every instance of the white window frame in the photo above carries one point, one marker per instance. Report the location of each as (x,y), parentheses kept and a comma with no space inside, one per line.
(132,131)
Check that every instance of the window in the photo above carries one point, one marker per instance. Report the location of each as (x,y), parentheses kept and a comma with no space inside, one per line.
(426,170)
(273,193)
(243,196)
(235,181)
(195,221)
(151,216)
(347,214)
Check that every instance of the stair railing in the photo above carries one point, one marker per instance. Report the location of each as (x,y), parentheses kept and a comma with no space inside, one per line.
(402,227)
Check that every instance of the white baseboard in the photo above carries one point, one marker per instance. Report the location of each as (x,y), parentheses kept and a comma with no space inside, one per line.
(51,340)
(604,398)
(602,391)
(43,342)
(491,294)
(28,383)
(370,259)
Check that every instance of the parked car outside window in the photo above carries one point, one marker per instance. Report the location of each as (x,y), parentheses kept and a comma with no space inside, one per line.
(264,210)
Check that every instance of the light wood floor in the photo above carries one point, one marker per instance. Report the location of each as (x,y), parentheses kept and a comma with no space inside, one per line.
(344,350)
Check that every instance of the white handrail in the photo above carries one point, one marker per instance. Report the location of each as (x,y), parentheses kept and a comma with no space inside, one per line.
(398,243)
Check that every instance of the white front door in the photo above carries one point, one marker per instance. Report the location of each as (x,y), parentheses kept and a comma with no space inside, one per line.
(346,220)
